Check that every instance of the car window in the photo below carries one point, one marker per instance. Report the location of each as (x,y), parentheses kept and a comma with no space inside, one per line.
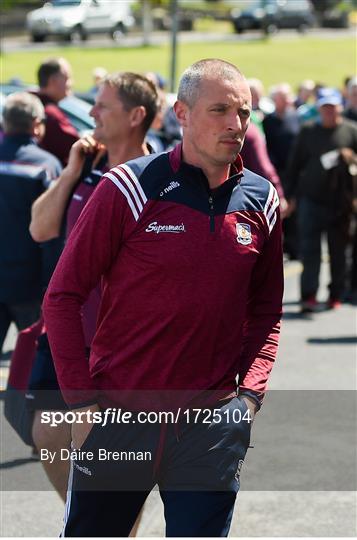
(63,3)
(77,112)
(297,5)
(258,4)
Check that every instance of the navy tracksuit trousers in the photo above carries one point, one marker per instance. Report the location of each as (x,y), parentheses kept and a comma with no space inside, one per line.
(195,464)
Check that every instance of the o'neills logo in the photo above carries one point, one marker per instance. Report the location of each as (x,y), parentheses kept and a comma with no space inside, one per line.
(156,228)
(84,470)
(172,185)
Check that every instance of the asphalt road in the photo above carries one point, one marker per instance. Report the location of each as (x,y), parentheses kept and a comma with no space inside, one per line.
(21,42)
(300,477)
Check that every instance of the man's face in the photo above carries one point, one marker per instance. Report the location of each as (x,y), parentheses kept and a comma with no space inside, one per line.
(282,101)
(214,128)
(255,98)
(330,115)
(61,82)
(352,97)
(112,121)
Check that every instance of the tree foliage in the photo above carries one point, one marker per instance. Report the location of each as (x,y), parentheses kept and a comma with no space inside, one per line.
(6,5)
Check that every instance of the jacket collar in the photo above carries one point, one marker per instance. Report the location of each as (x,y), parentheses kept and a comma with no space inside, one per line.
(194,175)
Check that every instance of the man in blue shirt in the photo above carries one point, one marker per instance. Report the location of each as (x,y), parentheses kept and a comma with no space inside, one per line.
(25,172)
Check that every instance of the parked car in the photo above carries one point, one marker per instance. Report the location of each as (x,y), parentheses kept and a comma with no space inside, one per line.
(76,109)
(162,19)
(271,15)
(78,19)
(335,18)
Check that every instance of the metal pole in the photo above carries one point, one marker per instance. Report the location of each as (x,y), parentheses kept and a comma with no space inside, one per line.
(147,22)
(174,31)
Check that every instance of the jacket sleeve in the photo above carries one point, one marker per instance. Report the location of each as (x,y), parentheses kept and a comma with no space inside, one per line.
(91,248)
(264,309)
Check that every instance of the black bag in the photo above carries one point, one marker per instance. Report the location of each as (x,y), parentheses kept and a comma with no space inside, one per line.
(16,411)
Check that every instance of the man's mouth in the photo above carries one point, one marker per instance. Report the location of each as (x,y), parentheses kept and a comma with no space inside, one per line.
(231,142)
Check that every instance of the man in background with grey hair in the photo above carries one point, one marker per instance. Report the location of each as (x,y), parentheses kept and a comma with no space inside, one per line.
(25,172)
(281,128)
(183,244)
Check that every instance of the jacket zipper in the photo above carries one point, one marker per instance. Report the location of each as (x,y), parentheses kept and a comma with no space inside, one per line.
(211,213)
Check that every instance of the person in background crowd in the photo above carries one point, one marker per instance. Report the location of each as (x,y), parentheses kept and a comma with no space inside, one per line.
(320,180)
(99,73)
(55,82)
(261,105)
(255,158)
(352,270)
(157,79)
(346,80)
(350,111)
(25,172)
(304,93)
(165,131)
(308,111)
(257,91)
(156,136)
(281,128)
(125,107)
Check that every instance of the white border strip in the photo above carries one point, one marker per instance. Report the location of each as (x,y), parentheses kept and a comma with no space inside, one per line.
(269,198)
(272,223)
(126,194)
(68,500)
(273,207)
(136,182)
(273,202)
(130,185)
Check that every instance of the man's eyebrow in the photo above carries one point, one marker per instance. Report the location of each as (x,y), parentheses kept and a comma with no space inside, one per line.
(225,104)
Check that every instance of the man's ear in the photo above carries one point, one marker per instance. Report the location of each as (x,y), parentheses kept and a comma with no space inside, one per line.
(137,115)
(182,112)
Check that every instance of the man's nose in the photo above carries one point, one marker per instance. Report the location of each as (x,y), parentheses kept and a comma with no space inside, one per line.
(234,122)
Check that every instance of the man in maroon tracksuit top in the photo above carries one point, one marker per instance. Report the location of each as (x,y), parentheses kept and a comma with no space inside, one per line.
(125,106)
(55,81)
(187,246)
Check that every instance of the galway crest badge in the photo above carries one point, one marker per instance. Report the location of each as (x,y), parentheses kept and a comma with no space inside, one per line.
(244,234)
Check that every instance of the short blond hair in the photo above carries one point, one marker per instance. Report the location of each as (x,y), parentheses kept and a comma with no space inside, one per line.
(208,68)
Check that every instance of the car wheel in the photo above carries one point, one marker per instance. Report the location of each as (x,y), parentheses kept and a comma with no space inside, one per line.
(77,34)
(270,29)
(38,38)
(118,32)
(303,28)
(238,29)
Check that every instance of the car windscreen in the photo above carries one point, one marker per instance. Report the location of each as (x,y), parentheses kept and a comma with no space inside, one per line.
(77,111)
(64,3)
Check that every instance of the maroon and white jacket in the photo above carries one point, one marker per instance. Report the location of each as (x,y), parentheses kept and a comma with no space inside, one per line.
(192,283)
